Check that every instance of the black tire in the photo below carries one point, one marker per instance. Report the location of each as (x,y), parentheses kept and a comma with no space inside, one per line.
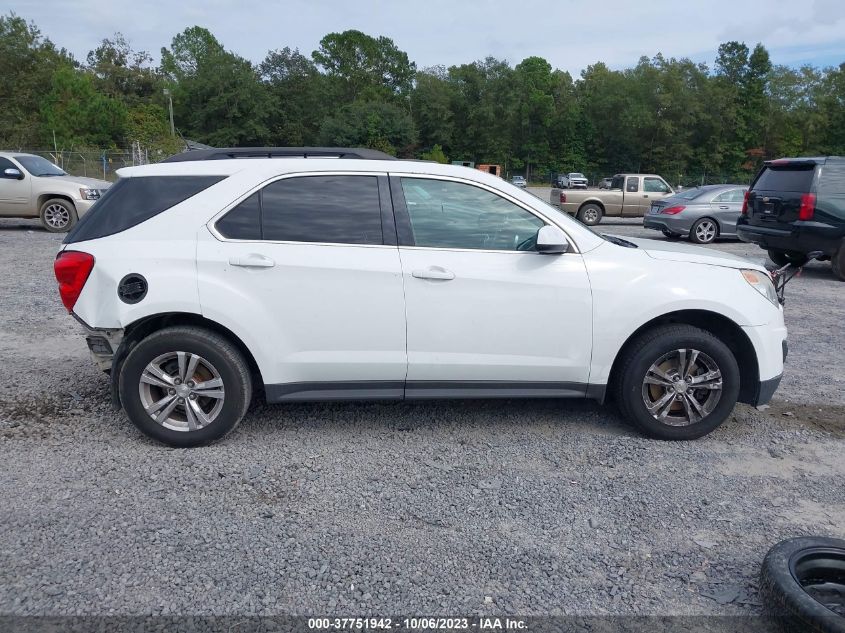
(782,258)
(781,590)
(590,214)
(57,215)
(640,354)
(695,233)
(219,351)
(837,262)
(669,235)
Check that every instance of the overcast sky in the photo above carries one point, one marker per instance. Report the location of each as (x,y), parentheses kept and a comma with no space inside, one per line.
(570,35)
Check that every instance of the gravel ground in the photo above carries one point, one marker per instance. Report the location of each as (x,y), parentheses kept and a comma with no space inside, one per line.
(527,507)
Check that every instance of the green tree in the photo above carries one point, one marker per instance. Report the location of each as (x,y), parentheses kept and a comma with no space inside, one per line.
(27,63)
(218,97)
(368,68)
(122,72)
(75,114)
(381,126)
(431,105)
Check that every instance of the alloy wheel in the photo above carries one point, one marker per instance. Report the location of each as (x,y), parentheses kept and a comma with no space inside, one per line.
(56,216)
(181,391)
(705,231)
(682,387)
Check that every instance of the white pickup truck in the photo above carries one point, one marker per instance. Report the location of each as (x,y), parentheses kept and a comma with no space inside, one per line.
(630,195)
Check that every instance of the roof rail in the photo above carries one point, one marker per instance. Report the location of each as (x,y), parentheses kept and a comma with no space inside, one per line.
(223,153)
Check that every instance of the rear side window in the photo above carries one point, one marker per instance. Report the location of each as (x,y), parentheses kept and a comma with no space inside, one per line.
(244,221)
(632,185)
(327,209)
(791,178)
(131,201)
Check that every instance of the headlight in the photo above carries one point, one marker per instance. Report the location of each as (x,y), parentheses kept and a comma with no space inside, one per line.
(89,194)
(762,283)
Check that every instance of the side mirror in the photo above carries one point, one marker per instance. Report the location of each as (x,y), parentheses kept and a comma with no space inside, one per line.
(551,241)
(11,172)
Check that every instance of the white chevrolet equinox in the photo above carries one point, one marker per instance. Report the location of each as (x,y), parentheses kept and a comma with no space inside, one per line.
(314,274)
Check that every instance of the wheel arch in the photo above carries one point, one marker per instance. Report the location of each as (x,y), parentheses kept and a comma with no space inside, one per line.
(722,328)
(594,201)
(44,197)
(140,329)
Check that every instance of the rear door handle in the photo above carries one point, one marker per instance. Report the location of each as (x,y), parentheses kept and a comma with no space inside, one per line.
(253,260)
(434,272)
(722,206)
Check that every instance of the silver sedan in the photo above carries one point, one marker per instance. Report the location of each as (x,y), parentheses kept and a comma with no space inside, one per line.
(700,213)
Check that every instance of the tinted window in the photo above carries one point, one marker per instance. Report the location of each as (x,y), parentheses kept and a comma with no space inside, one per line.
(654,185)
(337,209)
(448,214)
(243,222)
(134,200)
(785,179)
(632,185)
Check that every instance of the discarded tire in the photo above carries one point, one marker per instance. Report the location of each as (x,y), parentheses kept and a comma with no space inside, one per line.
(802,584)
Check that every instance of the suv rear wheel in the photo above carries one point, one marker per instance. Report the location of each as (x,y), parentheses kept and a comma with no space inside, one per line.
(677,382)
(782,258)
(837,262)
(185,386)
(57,215)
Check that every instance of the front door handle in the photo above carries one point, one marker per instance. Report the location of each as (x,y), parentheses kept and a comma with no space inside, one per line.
(434,272)
(722,206)
(253,260)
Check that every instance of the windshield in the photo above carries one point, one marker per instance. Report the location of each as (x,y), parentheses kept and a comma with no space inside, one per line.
(574,175)
(38,166)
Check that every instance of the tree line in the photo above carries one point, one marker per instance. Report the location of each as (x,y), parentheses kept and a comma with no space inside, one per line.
(684,120)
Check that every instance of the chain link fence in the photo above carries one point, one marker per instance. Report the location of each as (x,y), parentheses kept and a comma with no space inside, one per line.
(96,163)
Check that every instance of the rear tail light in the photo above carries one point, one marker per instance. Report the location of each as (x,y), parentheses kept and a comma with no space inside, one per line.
(745,203)
(72,269)
(808,206)
(562,197)
(673,210)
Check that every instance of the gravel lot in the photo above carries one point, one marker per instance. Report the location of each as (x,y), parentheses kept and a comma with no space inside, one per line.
(527,507)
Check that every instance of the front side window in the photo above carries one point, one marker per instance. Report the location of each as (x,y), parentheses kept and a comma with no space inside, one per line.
(327,209)
(446,214)
(632,185)
(654,185)
(5,164)
(38,166)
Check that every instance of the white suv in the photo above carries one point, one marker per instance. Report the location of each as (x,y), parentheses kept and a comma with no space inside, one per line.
(345,275)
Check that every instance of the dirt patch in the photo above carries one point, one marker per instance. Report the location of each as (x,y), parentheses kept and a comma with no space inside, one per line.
(829,418)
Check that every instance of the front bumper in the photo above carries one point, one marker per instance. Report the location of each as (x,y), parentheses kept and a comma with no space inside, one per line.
(766,389)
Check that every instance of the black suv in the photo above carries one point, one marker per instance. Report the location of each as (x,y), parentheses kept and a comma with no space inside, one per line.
(796,206)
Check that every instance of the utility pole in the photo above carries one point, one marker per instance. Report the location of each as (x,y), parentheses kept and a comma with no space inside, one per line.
(169,96)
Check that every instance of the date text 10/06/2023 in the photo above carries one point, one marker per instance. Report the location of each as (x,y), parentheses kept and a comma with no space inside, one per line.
(481,623)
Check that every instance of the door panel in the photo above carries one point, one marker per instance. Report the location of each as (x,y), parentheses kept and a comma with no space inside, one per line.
(486,313)
(726,208)
(504,317)
(14,193)
(330,317)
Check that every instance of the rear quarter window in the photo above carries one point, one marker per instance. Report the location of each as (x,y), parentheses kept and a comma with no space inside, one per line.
(792,179)
(131,201)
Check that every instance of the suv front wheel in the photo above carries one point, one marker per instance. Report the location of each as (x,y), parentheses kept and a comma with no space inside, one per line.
(185,386)
(677,382)
(57,215)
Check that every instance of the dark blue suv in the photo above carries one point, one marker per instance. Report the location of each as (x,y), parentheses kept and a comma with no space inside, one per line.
(796,206)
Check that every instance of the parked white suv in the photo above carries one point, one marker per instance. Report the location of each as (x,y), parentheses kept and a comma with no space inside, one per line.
(33,187)
(201,280)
